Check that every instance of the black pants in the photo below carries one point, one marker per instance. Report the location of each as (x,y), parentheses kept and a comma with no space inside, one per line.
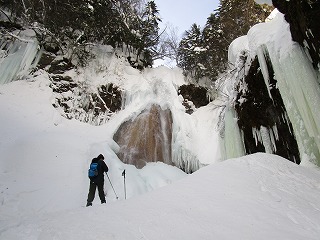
(92,191)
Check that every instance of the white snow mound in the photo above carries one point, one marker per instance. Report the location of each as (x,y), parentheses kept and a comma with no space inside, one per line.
(259,196)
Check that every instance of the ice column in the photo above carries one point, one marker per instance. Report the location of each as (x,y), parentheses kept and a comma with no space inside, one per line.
(232,140)
(18,55)
(299,86)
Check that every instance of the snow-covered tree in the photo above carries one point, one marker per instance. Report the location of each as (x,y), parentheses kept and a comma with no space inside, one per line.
(232,19)
(150,31)
(191,52)
(215,42)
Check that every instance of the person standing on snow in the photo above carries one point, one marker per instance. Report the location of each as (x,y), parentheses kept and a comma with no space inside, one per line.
(97,181)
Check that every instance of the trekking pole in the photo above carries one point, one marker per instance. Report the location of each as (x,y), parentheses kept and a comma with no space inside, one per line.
(112,186)
(124,181)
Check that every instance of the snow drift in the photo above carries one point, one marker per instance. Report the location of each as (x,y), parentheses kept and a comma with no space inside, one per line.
(259,196)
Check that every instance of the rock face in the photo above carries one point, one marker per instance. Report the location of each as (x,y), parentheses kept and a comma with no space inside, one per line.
(303,17)
(262,116)
(75,101)
(193,96)
(147,138)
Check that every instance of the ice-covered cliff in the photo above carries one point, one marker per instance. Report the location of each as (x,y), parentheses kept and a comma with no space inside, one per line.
(275,91)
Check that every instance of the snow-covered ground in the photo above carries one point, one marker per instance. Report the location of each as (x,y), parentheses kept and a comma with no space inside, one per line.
(254,197)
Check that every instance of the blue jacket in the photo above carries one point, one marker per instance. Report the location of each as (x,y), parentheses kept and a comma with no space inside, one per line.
(102,168)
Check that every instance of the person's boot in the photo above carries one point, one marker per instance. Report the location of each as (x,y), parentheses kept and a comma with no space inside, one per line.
(102,202)
(89,204)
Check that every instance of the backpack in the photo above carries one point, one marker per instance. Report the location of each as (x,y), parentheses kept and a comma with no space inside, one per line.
(93,170)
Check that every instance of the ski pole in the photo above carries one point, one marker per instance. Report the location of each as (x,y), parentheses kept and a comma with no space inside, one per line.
(124,181)
(112,186)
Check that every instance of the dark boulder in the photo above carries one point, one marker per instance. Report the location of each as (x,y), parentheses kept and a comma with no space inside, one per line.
(45,60)
(60,66)
(195,94)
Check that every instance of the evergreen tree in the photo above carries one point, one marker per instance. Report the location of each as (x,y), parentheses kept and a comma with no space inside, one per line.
(150,31)
(232,19)
(150,25)
(74,25)
(191,53)
(215,42)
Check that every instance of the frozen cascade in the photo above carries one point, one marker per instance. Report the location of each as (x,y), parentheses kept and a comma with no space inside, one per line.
(154,135)
(154,127)
(147,138)
(301,97)
(262,118)
(297,81)
(182,144)
(264,68)
(298,84)
(232,141)
(17,57)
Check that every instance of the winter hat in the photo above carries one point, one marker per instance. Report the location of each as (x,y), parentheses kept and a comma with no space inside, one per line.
(101,157)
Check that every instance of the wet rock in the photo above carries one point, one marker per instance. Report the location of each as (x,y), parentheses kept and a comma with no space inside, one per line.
(111,97)
(62,83)
(146,138)
(51,47)
(189,106)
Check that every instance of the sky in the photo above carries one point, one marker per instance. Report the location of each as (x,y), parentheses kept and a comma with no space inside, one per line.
(183,13)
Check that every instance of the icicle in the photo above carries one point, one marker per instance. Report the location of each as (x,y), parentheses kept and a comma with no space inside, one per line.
(256,134)
(298,83)
(275,132)
(267,137)
(185,160)
(264,68)
(273,140)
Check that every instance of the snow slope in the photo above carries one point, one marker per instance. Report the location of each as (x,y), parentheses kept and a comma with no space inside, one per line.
(254,197)
(44,158)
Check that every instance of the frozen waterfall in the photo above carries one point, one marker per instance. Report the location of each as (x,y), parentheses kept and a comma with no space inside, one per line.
(232,140)
(298,83)
(19,52)
(146,138)
(296,79)
(299,86)
(154,126)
